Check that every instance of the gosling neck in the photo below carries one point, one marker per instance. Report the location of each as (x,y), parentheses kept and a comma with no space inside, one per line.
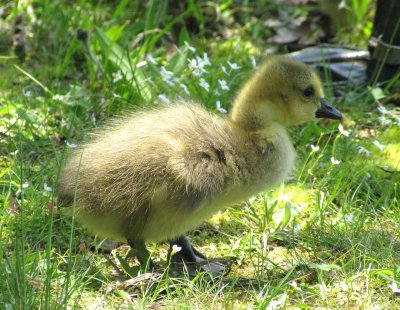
(255,117)
(254,107)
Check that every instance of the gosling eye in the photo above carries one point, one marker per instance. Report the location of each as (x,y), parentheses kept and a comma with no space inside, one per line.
(308,92)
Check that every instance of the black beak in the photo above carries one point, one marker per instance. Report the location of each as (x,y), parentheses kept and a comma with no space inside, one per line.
(328,111)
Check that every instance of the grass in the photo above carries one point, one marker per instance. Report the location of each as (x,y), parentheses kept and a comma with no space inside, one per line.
(327,238)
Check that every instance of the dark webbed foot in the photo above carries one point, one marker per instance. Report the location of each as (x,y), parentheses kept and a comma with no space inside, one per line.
(194,260)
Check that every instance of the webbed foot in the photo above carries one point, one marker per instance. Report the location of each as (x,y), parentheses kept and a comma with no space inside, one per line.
(194,261)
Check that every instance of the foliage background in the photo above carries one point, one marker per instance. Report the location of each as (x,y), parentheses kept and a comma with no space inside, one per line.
(328,238)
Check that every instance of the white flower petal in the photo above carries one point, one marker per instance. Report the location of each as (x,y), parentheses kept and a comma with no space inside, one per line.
(27,93)
(349,218)
(176,248)
(334,161)
(206,60)
(394,288)
(59,97)
(163,98)
(224,69)
(223,84)
(253,62)
(218,105)
(117,76)
(151,59)
(343,131)
(47,188)
(314,148)
(233,66)
(191,48)
(204,85)
(72,145)
(378,145)
(184,87)
(383,110)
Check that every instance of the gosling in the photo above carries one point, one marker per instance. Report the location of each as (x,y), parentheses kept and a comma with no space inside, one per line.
(157,174)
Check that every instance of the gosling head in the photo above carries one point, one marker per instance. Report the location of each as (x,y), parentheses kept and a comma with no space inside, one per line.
(284,91)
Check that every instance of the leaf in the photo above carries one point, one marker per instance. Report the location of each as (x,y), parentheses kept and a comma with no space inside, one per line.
(120,8)
(286,218)
(120,59)
(131,271)
(184,36)
(324,267)
(377,93)
(178,63)
(115,32)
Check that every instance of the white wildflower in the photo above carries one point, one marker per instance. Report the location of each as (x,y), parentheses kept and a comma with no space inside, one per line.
(116,95)
(334,161)
(385,168)
(343,131)
(117,76)
(180,52)
(151,59)
(150,80)
(218,105)
(167,76)
(197,72)
(348,218)
(205,85)
(394,288)
(184,87)
(368,176)
(233,66)
(197,65)
(176,248)
(378,145)
(253,61)
(163,98)
(27,93)
(223,85)
(206,60)
(293,283)
(94,119)
(165,72)
(202,62)
(192,63)
(191,48)
(383,110)
(59,97)
(342,5)
(224,69)
(385,121)
(314,148)
(362,149)
(169,81)
(47,188)
(72,145)
(25,185)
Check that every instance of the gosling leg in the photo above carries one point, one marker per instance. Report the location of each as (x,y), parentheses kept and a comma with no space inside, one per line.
(188,252)
(139,250)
